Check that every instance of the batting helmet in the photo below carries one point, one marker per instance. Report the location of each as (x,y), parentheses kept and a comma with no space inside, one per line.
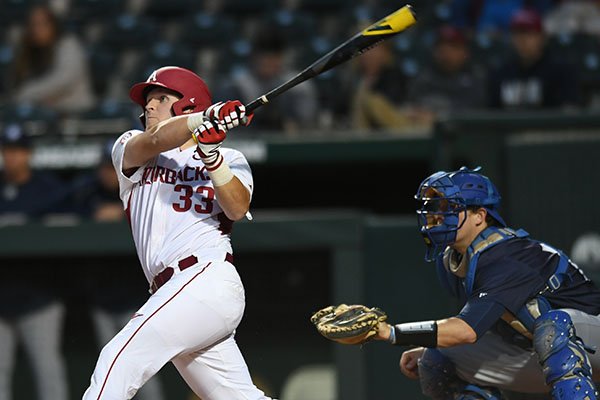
(194,93)
(443,196)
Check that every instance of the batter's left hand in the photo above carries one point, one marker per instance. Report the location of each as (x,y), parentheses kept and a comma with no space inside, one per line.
(230,114)
(209,136)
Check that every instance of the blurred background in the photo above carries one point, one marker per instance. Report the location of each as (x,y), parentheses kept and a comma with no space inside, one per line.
(509,85)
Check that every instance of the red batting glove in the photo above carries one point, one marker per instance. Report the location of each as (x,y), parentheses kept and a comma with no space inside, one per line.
(209,136)
(230,114)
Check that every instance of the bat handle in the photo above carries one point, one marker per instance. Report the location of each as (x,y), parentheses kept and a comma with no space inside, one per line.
(253,105)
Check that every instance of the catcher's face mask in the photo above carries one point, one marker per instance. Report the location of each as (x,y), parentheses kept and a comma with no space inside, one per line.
(443,197)
(438,212)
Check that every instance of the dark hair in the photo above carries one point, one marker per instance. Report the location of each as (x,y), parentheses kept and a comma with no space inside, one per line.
(32,60)
(491,221)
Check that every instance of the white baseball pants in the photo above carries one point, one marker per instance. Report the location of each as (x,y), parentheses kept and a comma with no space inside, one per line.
(189,321)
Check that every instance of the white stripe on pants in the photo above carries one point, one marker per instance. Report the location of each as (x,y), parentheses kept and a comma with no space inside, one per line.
(190,320)
(107,325)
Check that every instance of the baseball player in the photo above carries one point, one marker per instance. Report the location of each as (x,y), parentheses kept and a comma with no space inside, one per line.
(181,192)
(530,317)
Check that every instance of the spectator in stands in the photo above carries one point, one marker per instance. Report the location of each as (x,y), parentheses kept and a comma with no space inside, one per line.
(50,69)
(574,16)
(296,110)
(451,83)
(29,311)
(532,79)
(26,193)
(491,17)
(96,196)
(380,91)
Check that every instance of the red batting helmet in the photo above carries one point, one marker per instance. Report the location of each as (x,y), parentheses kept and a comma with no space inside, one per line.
(192,89)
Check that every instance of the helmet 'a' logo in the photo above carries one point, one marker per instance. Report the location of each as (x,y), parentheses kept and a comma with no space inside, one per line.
(152,77)
(193,100)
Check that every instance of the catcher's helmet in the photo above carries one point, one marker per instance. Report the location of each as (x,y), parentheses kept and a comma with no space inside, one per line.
(194,93)
(443,196)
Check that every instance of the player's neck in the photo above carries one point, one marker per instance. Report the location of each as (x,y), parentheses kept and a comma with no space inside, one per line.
(463,244)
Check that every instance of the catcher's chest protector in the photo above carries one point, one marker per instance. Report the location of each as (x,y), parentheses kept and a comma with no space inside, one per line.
(490,237)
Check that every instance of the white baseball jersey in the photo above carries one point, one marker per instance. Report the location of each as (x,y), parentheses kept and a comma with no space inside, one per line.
(191,319)
(171,206)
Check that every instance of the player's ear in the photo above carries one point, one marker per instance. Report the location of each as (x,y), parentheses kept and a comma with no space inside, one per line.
(480,215)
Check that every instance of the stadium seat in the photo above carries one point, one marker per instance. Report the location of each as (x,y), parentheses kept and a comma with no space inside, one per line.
(171,8)
(7,55)
(237,53)
(320,7)
(14,10)
(39,120)
(207,30)
(102,60)
(108,118)
(573,48)
(412,49)
(295,27)
(312,49)
(489,51)
(165,53)
(130,31)
(85,11)
(244,8)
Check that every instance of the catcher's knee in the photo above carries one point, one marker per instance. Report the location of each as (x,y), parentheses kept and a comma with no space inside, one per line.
(439,381)
(564,361)
(474,392)
(437,376)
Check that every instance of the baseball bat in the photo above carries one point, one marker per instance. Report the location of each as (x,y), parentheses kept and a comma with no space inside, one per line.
(381,30)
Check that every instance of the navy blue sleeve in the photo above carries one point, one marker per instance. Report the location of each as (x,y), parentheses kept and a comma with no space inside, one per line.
(481,315)
(502,282)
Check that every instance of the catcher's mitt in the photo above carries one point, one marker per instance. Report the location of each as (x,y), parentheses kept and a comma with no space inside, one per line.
(354,324)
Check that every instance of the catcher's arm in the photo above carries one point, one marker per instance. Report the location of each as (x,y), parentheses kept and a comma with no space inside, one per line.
(358,324)
(442,333)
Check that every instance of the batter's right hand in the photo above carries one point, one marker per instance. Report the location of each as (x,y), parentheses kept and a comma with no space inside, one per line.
(209,136)
(409,362)
(229,114)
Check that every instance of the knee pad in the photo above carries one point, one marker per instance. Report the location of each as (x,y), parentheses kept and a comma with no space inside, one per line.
(563,358)
(438,376)
(473,392)
(575,388)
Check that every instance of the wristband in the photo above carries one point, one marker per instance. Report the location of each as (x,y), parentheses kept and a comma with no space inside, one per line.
(416,333)
(219,172)
(392,338)
(194,120)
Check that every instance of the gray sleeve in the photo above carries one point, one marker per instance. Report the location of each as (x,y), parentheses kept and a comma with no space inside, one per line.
(68,66)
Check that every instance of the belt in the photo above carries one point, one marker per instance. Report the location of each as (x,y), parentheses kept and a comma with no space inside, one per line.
(163,277)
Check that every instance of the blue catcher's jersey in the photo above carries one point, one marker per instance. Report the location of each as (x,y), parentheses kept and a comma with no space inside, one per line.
(509,274)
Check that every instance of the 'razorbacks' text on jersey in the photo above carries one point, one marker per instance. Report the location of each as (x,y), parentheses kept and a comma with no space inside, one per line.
(172,199)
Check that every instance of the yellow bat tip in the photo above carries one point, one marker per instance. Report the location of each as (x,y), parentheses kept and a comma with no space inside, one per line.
(396,22)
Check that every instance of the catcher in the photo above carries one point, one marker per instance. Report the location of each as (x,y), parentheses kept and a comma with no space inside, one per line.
(529,321)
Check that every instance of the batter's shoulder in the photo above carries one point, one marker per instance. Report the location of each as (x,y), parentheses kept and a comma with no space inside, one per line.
(125,136)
